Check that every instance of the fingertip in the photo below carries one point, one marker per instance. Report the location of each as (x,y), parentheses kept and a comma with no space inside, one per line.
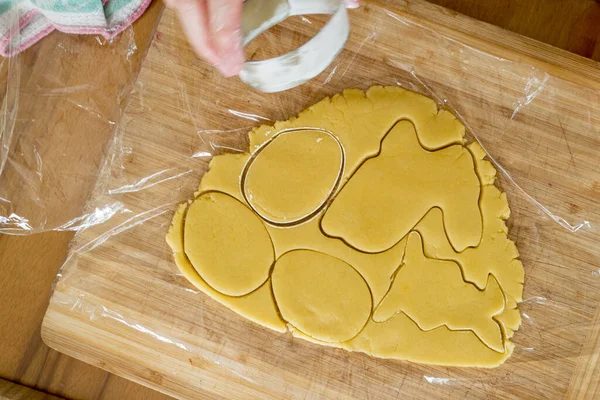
(352,3)
(231,64)
(231,57)
(228,71)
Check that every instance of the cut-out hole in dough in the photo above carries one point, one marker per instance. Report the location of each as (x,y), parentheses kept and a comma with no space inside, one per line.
(292,176)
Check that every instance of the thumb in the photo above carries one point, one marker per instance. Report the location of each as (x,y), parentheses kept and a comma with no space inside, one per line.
(225,19)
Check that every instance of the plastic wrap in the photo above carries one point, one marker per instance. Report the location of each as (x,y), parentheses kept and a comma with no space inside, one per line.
(58,113)
(540,131)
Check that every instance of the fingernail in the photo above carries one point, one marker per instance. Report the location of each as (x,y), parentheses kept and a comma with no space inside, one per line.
(352,3)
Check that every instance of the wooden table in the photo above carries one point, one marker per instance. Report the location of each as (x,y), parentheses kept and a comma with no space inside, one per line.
(26,360)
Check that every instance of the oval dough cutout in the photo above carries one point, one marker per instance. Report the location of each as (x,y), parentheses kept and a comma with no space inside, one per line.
(321,295)
(227,244)
(293,175)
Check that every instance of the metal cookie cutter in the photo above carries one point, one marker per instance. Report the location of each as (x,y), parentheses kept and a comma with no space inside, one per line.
(307,61)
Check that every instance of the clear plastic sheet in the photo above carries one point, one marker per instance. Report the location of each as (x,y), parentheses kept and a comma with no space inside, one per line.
(58,112)
(120,279)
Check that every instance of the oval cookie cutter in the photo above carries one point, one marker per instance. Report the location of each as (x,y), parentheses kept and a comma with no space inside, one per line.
(307,61)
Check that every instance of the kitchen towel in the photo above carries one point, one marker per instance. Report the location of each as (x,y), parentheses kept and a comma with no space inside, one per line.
(24,22)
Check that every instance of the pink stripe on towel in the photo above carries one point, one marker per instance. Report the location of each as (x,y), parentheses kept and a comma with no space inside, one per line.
(84,30)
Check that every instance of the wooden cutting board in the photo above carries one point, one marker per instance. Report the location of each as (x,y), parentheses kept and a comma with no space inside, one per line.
(13,391)
(120,303)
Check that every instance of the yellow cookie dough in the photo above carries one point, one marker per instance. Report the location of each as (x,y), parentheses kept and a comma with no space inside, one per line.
(227,244)
(433,293)
(401,338)
(390,193)
(360,121)
(293,175)
(365,223)
(496,254)
(257,306)
(377,269)
(321,295)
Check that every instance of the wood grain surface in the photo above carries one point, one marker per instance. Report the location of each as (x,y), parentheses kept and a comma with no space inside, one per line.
(29,264)
(13,391)
(571,25)
(122,305)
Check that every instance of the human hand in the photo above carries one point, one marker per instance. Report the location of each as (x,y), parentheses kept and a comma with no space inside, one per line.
(213,27)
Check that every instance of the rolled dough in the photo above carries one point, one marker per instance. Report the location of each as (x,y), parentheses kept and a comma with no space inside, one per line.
(293,175)
(391,192)
(422,285)
(365,223)
(321,295)
(235,252)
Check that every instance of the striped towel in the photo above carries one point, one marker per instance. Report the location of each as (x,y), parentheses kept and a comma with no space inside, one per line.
(24,22)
